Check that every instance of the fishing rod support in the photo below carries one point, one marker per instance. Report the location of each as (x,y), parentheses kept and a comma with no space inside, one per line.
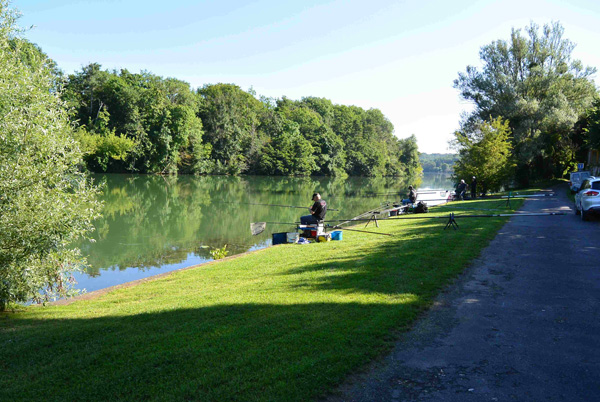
(451,222)
(373,218)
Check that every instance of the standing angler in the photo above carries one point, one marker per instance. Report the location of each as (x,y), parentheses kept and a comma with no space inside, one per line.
(317,211)
(474,188)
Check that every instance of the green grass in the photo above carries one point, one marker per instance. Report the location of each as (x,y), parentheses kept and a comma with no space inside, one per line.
(284,324)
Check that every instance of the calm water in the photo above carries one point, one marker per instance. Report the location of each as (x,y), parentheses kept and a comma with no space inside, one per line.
(156,224)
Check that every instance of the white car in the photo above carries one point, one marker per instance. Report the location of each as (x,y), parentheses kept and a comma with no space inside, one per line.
(576,178)
(587,199)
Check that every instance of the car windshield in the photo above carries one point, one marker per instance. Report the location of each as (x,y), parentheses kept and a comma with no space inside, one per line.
(596,185)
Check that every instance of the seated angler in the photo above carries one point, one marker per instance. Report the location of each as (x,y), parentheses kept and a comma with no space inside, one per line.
(317,211)
(412,196)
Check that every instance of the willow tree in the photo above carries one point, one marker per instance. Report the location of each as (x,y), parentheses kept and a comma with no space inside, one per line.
(532,81)
(45,201)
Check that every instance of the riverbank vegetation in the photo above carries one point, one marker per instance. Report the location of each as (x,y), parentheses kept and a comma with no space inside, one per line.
(437,163)
(143,123)
(532,82)
(285,323)
(45,201)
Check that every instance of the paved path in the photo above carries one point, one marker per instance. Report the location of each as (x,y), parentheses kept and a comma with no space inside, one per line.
(523,323)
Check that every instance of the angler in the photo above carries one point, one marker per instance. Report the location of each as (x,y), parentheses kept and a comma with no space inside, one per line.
(317,211)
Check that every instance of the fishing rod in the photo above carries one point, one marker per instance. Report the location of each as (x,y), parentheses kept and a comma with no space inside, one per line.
(452,221)
(475,209)
(527,195)
(483,216)
(356,230)
(273,205)
(258,227)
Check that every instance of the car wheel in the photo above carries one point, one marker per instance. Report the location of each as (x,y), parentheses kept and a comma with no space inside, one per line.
(584,215)
(577,210)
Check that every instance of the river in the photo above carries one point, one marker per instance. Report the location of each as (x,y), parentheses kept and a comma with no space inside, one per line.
(155,224)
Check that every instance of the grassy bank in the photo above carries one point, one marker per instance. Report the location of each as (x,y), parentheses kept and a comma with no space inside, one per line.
(288,323)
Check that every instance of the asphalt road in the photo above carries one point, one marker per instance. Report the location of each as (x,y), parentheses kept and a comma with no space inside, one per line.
(522,324)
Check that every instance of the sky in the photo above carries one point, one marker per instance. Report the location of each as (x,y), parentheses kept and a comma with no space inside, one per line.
(400,57)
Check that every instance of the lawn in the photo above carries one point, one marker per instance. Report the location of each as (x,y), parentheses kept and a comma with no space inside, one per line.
(284,324)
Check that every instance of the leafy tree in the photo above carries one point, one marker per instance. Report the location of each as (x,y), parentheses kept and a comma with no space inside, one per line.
(592,125)
(409,156)
(328,147)
(485,152)
(287,152)
(533,83)
(158,115)
(45,201)
(231,118)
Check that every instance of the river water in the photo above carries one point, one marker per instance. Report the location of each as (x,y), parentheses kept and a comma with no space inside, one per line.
(155,224)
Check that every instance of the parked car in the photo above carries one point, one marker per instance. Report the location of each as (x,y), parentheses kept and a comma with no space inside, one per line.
(587,199)
(576,178)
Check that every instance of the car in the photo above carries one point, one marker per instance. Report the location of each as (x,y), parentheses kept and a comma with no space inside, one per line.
(587,199)
(575,179)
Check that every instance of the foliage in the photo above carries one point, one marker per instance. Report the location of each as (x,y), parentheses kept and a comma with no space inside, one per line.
(102,147)
(219,253)
(592,125)
(437,162)
(532,82)
(143,123)
(409,156)
(231,119)
(287,152)
(156,115)
(328,147)
(485,152)
(45,202)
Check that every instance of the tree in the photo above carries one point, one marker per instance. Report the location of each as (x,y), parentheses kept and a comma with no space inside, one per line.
(485,152)
(156,115)
(46,203)
(592,125)
(328,147)
(287,152)
(409,156)
(533,83)
(231,119)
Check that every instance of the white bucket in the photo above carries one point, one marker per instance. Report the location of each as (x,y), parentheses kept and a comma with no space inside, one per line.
(292,237)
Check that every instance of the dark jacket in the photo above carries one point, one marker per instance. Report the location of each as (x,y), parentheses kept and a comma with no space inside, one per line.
(319,209)
(412,196)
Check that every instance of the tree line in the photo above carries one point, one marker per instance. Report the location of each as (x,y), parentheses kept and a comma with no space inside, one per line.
(438,163)
(143,123)
(536,110)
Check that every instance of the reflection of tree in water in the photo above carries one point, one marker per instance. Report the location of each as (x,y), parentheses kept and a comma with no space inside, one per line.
(151,221)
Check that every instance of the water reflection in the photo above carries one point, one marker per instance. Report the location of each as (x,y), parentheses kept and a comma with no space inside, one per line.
(153,224)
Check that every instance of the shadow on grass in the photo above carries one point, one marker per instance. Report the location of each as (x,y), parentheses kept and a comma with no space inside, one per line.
(227,352)
(418,260)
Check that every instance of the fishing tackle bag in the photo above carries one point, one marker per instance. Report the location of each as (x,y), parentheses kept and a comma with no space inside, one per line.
(421,208)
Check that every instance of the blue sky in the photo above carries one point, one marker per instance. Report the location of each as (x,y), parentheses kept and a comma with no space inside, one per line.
(398,56)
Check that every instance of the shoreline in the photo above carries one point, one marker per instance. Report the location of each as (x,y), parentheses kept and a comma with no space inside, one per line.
(100,292)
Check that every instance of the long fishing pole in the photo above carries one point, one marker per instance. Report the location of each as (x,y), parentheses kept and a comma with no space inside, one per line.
(272,205)
(356,230)
(482,216)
